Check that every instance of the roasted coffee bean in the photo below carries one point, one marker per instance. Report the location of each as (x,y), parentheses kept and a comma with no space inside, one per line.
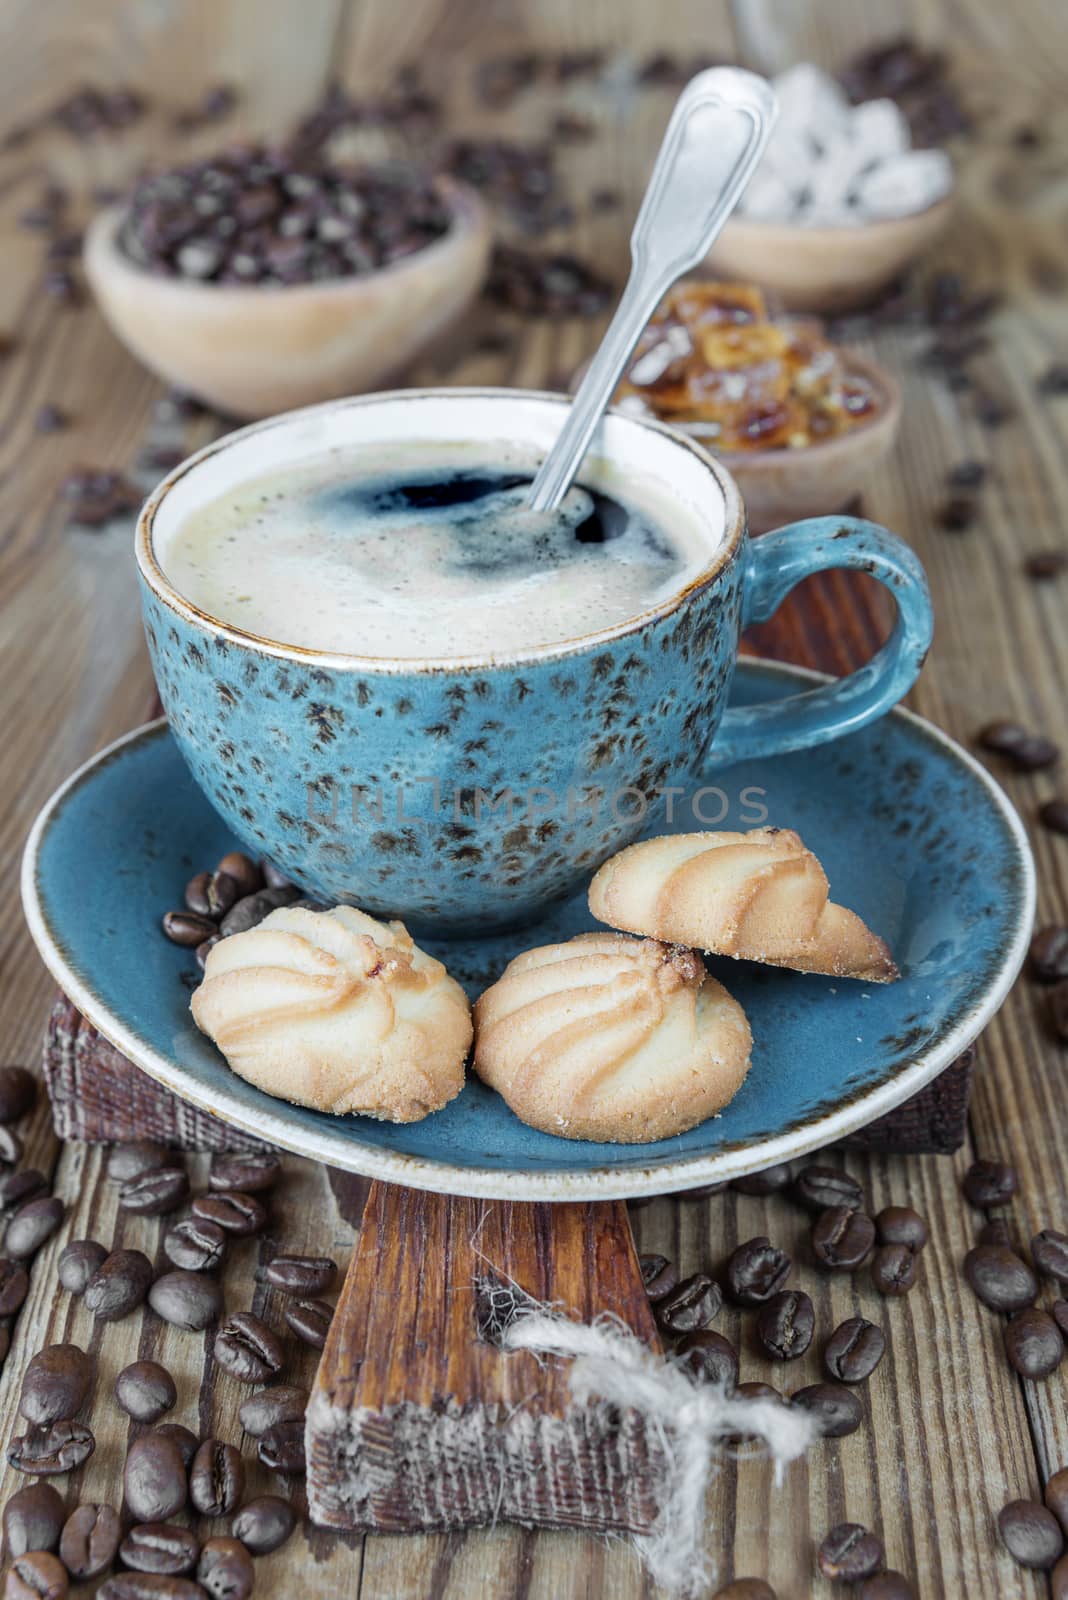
(187,1442)
(202,951)
(195,1245)
(155,1194)
(211,894)
(990,1183)
(757,1270)
(709,1357)
(245,873)
(18,1093)
(837,1411)
(659,1275)
(1058,1580)
(240,1214)
(149,1586)
(145,1391)
(1030,752)
(14,1286)
(310,1321)
(1046,564)
(10,1146)
(785,1324)
(225,1570)
(849,1553)
(45,1451)
(248,1173)
(162,1547)
(746,1589)
(250,912)
(32,1225)
(893,1270)
(33,1519)
(248,1349)
(770,1181)
(186,1299)
(264,1524)
(1055,1496)
(1058,1009)
(282,1448)
(853,1351)
(1031,1533)
(216,1478)
(273,876)
(886,1586)
(37,1575)
(186,927)
(126,1161)
(1033,1343)
(78,1261)
(285,1403)
(1049,1250)
(154,1478)
(692,1304)
(820,1188)
(957,512)
(18,1187)
(1000,1278)
(901,1225)
(1053,814)
(967,475)
(842,1239)
(119,1285)
(312,1275)
(55,1383)
(702,1192)
(196,894)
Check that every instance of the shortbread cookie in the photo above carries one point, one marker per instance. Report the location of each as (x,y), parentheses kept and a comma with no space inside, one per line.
(334,1010)
(759,896)
(610,1038)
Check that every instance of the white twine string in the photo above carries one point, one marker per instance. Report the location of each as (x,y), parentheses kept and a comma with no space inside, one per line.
(610,1363)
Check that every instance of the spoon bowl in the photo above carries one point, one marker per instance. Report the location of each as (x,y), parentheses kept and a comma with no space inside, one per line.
(256,350)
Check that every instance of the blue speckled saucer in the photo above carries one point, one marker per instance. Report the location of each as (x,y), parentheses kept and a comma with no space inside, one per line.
(914,835)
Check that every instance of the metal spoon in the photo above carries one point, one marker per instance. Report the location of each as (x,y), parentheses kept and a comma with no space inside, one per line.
(716,136)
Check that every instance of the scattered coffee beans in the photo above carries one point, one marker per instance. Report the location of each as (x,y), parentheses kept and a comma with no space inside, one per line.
(187,1442)
(119,1285)
(56,1447)
(837,1411)
(849,1553)
(313,1275)
(692,1304)
(1000,1278)
(33,1519)
(853,1351)
(145,1391)
(126,1161)
(785,1324)
(154,1478)
(842,1239)
(216,1478)
(187,928)
(160,1547)
(659,1275)
(18,1093)
(1053,814)
(18,1187)
(32,1225)
(1058,1580)
(770,1181)
(893,1270)
(78,1261)
(990,1183)
(249,1174)
(886,1586)
(248,877)
(250,912)
(225,1570)
(264,1524)
(709,1357)
(37,1575)
(155,1193)
(1029,752)
(821,1188)
(14,1286)
(282,1448)
(1030,1533)
(211,894)
(240,1214)
(248,1349)
(757,1270)
(195,1245)
(746,1589)
(1046,564)
(55,1384)
(284,1403)
(1049,1250)
(10,1146)
(310,1321)
(1058,1009)
(901,1225)
(1033,1343)
(186,1299)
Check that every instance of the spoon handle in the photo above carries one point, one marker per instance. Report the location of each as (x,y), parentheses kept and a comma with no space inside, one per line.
(716,136)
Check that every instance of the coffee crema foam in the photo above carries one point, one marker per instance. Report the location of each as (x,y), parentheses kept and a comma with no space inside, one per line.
(428,552)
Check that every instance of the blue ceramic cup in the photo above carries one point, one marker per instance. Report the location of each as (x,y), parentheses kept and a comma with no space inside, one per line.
(469,793)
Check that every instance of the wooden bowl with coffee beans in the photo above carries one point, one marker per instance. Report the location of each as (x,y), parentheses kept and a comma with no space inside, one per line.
(259,282)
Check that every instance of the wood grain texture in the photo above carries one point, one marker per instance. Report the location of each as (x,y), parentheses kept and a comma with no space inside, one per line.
(952,1435)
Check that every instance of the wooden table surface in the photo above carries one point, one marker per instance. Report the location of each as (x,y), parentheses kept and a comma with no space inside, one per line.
(953,1433)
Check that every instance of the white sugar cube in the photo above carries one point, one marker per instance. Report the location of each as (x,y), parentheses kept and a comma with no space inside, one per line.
(904,184)
(769,197)
(810,100)
(879,128)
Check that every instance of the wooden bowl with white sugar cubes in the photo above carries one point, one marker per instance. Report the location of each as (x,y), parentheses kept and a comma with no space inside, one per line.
(840,204)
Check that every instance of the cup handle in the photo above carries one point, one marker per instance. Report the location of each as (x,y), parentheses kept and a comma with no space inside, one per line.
(775,563)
